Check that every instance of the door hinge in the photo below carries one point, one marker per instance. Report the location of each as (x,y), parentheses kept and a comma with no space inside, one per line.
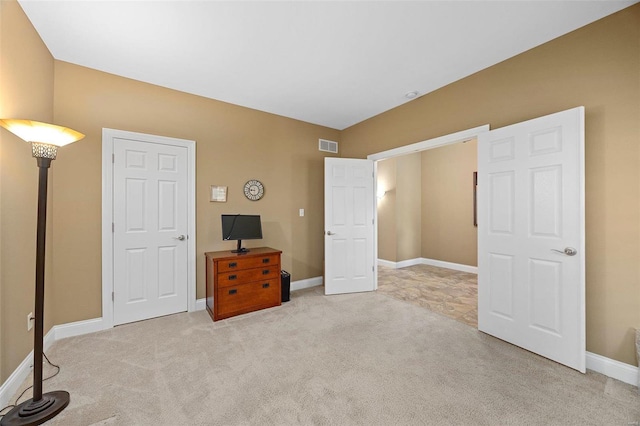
(113,227)
(113,297)
(113,158)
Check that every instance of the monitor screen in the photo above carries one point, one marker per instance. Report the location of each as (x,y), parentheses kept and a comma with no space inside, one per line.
(241,227)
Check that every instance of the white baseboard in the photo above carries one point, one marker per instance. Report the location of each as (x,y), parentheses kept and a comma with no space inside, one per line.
(12,384)
(409,262)
(614,369)
(20,374)
(77,328)
(450,265)
(308,283)
(401,264)
(431,262)
(201,304)
(387,263)
(57,332)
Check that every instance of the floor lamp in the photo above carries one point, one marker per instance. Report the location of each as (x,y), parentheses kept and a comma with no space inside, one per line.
(45,140)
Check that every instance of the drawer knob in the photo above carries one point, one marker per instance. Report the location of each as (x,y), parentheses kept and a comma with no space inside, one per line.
(232,264)
(233,291)
(265,285)
(232,277)
(265,271)
(266,260)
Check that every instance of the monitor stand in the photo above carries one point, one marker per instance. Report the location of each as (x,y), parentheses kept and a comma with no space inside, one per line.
(240,249)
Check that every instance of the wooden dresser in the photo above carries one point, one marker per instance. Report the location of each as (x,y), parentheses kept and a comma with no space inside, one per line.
(238,283)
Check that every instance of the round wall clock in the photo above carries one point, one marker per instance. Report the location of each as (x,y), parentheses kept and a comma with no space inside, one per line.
(254,190)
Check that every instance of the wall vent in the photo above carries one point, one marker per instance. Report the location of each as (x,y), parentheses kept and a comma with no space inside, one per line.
(328,146)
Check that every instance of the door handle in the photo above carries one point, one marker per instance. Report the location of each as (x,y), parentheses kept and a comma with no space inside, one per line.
(569,251)
(180,237)
(331,233)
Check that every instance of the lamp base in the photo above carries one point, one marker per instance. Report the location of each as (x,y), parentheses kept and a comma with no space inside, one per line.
(33,412)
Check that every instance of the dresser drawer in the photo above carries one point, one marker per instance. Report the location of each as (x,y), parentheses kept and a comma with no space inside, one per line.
(248,297)
(247,262)
(228,278)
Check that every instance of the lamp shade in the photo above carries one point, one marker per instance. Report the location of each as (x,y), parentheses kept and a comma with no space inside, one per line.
(35,131)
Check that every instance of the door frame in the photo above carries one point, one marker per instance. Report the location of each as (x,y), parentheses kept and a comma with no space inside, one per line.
(437,142)
(107,214)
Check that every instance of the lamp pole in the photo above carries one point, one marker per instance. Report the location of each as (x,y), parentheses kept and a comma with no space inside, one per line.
(43,174)
(41,407)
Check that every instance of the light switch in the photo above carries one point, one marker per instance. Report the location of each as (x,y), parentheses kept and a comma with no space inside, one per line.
(301,212)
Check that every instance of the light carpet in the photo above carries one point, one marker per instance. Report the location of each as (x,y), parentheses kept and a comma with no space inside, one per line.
(359,359)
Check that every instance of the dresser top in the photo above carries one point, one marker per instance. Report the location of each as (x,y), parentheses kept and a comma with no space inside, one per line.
(253,252)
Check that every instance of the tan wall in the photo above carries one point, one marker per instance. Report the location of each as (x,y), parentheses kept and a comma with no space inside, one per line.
(26,91)
(399,221)
(597,66)
(387,233)
(233,144)
(448,233)
(408,211)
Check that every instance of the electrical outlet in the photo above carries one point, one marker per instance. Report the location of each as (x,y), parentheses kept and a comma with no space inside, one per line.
(30,321)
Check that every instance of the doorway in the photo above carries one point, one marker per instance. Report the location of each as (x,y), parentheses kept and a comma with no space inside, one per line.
(531,239)
(427,236)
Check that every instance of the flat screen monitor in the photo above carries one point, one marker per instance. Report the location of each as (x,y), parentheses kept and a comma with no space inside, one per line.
(241,227)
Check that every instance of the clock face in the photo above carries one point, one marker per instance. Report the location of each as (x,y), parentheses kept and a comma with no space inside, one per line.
(253,190)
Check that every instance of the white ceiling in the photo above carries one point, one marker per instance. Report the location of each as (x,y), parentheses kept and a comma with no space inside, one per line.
(329,63)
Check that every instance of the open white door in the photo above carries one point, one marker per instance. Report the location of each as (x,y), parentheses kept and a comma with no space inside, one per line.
(348,225)
(531,246)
